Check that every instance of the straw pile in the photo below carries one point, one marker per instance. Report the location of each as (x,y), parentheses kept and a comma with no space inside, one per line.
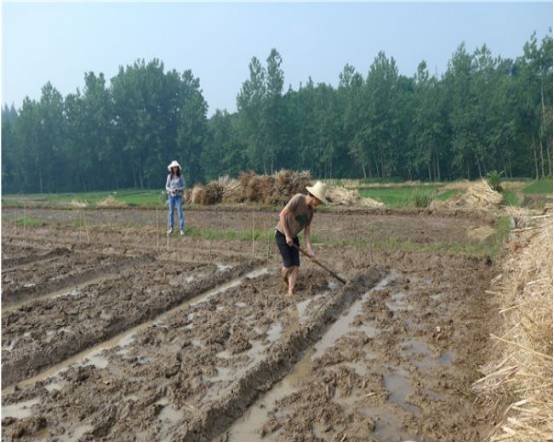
(110,202)
(348,197)
(266,189)
(77,204)
(477,196)
(518,383)
(231,189)
(213,193)
(198,195)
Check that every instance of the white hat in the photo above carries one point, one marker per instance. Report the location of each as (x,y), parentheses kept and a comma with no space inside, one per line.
(318,191)
(173,164)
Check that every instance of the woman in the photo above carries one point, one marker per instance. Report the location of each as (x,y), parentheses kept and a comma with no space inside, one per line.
(175,185)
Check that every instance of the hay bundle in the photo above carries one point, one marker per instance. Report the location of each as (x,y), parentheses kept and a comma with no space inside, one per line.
(477,196)
(213,193)
(187,195)
(288,183)
(110,202)
(256,188)
(78,204)
(198,195)
(371,203)
(232,192)
(340,196)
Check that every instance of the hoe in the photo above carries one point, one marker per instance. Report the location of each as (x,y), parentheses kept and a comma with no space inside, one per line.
(317,262)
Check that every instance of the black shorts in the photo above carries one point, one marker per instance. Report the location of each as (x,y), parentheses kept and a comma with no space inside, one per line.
(290,254)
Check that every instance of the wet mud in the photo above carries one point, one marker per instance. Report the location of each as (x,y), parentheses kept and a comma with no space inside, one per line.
(46,331)
(201,342)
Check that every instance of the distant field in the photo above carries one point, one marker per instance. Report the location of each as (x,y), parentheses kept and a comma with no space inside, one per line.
(543,186)
(393,194)
(127,197)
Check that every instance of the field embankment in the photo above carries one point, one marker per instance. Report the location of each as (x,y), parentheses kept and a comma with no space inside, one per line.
(517,381)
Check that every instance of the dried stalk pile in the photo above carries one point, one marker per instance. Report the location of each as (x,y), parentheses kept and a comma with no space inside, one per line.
(477,196)
(340,196)
(517,384)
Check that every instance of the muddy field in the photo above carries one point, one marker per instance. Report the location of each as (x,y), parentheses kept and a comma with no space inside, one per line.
(110,331)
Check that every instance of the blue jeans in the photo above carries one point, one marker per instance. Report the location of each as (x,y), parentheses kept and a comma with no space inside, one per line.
(175,202)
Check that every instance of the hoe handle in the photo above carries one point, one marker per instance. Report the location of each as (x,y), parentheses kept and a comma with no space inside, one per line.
(317,262)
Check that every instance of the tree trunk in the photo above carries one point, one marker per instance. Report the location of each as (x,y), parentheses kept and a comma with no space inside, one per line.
(536,162)
(542,157)
(549,157)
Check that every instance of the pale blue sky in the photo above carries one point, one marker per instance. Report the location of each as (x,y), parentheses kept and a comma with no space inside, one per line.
(58,42)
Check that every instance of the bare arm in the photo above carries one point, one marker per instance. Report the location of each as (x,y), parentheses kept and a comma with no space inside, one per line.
(283,219)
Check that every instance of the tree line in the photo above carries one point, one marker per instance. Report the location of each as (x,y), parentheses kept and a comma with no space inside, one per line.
(483,113)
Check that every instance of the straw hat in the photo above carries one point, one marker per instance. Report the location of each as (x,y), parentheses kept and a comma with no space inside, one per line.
(173,164)
(318,191)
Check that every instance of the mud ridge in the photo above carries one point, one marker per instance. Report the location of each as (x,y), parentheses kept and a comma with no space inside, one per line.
(283,355)
(24,294)
(17,261)
(23,366)
(194,252)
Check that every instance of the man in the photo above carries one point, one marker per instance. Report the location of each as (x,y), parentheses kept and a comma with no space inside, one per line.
(297,216)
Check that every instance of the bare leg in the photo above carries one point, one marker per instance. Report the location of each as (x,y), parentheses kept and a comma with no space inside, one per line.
(285,275)
(293,274)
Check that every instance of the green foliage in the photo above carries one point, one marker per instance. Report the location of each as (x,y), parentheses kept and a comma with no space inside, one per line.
(401,196)
(485,113)
(447,195)
(422,199)
(510,198)
(494,179)
(543,186)
(28,222)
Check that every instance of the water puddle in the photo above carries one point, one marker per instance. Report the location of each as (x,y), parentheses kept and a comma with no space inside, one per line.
(399,387)
(248,426)
(274,332)
(222,267)
(422,356)
(54,385)
(399,302)
(302,307)
(169,416)
(447,358)
(125,338)
(19,410)
(95,360)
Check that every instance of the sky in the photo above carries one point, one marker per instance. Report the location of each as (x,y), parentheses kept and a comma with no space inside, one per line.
(59,42)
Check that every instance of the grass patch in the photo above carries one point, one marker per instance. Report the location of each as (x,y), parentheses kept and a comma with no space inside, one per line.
(28,222)
(543,186)
(398,196)
(447,195)
(510,198)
